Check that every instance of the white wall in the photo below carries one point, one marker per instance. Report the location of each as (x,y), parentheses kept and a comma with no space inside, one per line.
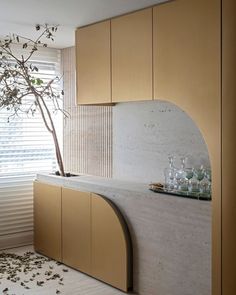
(146,133)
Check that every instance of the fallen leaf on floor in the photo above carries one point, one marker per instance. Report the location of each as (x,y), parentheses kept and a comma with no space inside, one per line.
(28,268)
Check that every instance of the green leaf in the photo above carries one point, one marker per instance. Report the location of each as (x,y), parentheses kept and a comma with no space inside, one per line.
(39,81)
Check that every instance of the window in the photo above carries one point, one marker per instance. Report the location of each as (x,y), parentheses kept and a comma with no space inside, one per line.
(26,148)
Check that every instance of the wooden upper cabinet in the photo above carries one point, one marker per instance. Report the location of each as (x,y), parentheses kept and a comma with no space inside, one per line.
(93,64)
(131,43)
(186,40)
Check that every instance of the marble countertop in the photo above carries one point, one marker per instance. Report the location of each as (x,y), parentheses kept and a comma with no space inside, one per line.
(102,185)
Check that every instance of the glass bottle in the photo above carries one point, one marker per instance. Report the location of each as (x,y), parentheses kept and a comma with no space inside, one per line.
(170,174)
(198,175)
(182,184)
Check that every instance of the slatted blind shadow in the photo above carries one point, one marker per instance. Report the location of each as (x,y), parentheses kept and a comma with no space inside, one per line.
(16,204)
(87,143)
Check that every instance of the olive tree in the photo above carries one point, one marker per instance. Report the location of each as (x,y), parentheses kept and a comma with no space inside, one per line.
(19,80)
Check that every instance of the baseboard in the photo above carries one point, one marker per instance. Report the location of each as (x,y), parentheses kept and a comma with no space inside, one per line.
(16,240)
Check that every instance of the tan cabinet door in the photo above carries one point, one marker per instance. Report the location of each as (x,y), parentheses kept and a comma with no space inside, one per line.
(132,56)
(76,229)
(110,252)
(93,64)
(47,220)
(186,39)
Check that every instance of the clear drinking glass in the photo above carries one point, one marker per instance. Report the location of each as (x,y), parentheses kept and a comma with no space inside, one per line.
(208,174)
(199,174)
(206,184)
(193,185)
(189,176)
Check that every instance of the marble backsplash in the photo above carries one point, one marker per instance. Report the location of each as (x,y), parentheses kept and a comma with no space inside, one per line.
(146,133)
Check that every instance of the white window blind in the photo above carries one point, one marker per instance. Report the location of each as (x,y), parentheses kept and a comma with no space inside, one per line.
(26,148)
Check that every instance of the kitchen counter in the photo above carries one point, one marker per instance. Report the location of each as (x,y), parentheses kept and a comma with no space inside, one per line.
(171,236)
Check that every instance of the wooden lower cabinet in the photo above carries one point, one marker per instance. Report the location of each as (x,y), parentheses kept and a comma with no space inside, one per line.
(83,230)
(76,224)
(110,253)
(47,220)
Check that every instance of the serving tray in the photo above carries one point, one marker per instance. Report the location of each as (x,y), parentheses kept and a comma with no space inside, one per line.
(183,194)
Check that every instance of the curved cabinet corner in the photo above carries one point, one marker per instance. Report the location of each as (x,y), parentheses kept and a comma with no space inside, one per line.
(111,249)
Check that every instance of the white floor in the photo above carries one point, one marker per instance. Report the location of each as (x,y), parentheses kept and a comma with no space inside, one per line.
(75,283)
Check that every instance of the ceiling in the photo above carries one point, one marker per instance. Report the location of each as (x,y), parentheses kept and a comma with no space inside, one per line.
(20,17)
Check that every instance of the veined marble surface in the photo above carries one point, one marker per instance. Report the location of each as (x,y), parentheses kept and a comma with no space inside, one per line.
(171,236)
